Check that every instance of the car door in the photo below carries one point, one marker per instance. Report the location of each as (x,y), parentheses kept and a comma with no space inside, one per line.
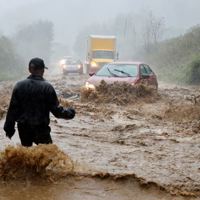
(144,75)
(152,79)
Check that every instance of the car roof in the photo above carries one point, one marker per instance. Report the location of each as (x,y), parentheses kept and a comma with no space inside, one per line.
(128,62)
(103,36)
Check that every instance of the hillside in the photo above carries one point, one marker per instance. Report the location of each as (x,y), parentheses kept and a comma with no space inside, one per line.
(178,59)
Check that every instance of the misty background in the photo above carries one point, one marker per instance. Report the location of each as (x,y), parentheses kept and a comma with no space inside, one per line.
(54,29)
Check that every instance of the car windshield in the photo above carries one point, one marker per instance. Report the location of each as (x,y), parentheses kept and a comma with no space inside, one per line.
(72,62)
(118,70)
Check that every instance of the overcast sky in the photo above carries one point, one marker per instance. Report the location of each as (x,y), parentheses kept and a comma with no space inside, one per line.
(69,16)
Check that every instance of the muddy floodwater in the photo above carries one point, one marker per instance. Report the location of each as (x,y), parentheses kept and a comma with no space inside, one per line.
(121,148)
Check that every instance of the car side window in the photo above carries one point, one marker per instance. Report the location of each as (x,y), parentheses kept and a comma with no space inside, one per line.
(143,70)
(148,69)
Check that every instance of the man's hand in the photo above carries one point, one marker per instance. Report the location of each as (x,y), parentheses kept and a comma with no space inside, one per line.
(70,113)
(10,134)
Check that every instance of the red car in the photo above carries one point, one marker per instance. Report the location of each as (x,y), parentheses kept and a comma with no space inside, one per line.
(130,72)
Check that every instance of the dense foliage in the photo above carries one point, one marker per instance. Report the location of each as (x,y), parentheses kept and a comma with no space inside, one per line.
(178,59)
(194,72)
(34,40)
(11,65)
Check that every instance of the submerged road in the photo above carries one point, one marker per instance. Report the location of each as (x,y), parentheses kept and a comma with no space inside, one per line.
(155,143)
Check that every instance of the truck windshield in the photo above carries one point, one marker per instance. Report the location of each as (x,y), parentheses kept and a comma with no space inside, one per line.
(103,54)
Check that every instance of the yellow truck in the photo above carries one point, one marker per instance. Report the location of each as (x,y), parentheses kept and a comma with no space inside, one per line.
(101,49)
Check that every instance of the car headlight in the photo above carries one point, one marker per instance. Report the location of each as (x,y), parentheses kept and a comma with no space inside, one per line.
(89,86)
(133,84)
(62,62)
(79,66)
(94,64)
(64,66)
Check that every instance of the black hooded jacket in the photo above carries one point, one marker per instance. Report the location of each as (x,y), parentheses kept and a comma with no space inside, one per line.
(31,103)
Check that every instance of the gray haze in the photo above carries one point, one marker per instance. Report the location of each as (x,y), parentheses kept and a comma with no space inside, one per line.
(69,16)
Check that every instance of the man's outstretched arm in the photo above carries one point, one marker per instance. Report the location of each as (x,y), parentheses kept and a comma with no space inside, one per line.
(57,110)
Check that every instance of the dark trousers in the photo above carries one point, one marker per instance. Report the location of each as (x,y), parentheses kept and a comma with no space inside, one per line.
(39,134)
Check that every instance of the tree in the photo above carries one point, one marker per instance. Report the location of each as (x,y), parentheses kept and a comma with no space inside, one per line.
(35,40)
(152,31)
(133,31)
(11,65)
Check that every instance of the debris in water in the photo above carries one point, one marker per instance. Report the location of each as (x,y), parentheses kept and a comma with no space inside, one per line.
(182,112)
(118,93)
(66,103)
(38,161)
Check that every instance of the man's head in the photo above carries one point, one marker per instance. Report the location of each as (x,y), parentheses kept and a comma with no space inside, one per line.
(37,66)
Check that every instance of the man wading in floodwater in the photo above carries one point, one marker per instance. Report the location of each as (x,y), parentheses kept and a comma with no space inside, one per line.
(31,102)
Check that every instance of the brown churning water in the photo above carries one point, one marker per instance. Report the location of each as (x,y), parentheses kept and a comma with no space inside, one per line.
(38,161)
(118,93)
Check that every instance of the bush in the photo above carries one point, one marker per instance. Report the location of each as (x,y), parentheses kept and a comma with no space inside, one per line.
(11,65)
(194,76)
(178,59)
